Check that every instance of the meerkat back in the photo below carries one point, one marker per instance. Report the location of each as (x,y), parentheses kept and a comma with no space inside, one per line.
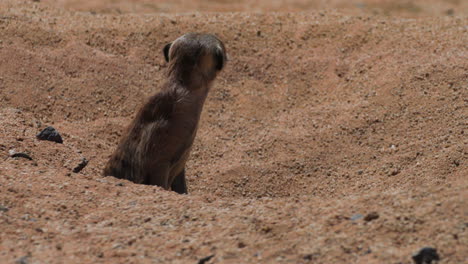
(157,143)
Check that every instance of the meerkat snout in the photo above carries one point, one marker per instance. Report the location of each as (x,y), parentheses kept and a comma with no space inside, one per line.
(157,144)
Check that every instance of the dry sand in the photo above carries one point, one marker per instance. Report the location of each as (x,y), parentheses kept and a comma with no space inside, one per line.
(321,118)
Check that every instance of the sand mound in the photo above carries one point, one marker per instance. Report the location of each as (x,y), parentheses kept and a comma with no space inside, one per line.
(335,135)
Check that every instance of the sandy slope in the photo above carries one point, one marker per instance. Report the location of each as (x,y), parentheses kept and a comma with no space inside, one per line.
(320,117)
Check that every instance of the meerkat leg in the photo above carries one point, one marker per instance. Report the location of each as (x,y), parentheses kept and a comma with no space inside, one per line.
(159,176)
(179,184)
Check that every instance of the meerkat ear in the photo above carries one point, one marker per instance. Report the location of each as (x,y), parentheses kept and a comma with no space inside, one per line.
(166,51)
(219,59)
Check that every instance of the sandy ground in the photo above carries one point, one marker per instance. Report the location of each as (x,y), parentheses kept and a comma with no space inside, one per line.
(334,135)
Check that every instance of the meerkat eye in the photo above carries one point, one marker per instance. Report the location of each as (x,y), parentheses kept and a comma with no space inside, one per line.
(166,51)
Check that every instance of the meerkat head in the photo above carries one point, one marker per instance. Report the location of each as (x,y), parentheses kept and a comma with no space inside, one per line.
(196,54)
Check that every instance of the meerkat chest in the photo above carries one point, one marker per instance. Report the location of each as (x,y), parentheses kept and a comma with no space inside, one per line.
(184,126)
(182,154)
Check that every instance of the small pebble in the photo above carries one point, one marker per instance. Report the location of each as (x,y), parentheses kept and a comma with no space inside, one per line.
(50,134)
(22,260)
(241,245)
(394,172)
(81,166)
(308,257)
(371,216)
(426,255)
(3,208)
(205,259)
(356,217)
(15,154)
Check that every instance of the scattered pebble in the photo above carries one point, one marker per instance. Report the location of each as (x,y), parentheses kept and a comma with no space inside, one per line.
(15,154)
(205,259)
(371,216)
(426,255)
(50,134)
(81,166)
(3,208)
(356,217)
(309,257)
(117,246)
(394,171)
(22,260)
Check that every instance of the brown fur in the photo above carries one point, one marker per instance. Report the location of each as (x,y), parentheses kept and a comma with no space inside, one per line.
(156,146)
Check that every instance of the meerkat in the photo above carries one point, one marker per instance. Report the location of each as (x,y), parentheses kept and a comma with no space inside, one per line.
(158,141)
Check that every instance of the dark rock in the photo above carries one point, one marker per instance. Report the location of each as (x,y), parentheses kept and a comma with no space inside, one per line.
(394,172)
(22,260)
(205,259)
(15,154)
(3,208)
(371,216)
(426,255)
(450,12)
(81,166)
(50,134)
(310,257)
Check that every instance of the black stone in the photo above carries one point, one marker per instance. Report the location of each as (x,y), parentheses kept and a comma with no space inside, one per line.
(3,208)
(309,257)
(22,260)
(81,166)
(371,216)
(50,134)
(205,259)
(425,256)
(21,155)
